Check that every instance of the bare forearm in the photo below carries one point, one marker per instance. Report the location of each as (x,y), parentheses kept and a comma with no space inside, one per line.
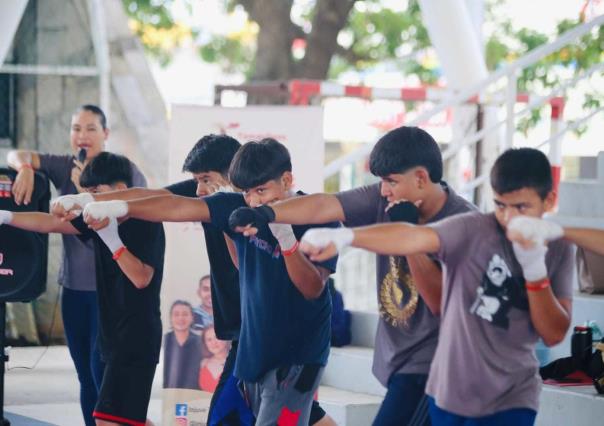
(43,223)
(130,194)
(428,280)
(169,208)
(137,272)
(590,239)
(550,316)
(232,250)
(309,209)
(16,159)
(304,275)
(399,239)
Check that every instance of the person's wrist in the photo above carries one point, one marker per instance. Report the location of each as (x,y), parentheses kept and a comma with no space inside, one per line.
(118,253)
(538,285)
(535,272)
(6,216)
(25,166)
(291,250)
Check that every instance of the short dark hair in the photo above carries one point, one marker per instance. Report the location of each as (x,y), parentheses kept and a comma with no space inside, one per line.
(106,169)
(519,168)
(205,277)
(402,149)
(258,162)
(179,302)
(96,111)
(212,153)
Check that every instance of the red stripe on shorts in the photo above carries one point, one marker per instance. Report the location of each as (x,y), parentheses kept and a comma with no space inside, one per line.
(104,416)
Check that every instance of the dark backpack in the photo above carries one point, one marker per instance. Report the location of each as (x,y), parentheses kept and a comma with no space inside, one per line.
(340,318)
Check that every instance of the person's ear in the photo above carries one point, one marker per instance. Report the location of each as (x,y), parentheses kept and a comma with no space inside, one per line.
(422,178)
(550,201)
(287,180)
(106,132)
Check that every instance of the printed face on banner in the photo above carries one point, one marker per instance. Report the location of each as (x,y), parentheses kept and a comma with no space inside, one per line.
(193,356)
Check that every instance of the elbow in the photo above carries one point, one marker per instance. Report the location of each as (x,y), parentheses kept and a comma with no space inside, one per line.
(435,310)
(142,281)
(141,284)
(554,338)
(314,293)
(552,341)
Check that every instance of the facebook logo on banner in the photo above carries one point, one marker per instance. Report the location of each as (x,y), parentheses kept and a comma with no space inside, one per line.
(181,410)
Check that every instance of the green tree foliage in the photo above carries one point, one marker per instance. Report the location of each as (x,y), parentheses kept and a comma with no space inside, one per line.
(369,34)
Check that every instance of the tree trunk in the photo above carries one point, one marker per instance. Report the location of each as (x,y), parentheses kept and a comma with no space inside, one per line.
(329,19)
(273,55)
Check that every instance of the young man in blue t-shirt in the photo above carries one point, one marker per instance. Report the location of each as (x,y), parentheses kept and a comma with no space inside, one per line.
(285,331)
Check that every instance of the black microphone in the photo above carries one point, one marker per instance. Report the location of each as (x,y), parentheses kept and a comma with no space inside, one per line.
(82,155)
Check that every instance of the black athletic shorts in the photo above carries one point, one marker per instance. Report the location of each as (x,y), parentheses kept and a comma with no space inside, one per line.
(125,393)
(316,413)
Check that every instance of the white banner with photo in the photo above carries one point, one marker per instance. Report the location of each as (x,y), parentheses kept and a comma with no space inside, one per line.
(193,361)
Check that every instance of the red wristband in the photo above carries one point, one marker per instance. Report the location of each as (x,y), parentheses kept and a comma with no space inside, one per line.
(292,250)
(25,166)
(119,252)
(538,285)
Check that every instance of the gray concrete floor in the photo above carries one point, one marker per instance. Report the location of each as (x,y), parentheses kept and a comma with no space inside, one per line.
(49,393)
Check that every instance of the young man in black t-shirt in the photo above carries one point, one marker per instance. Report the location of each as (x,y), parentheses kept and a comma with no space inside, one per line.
(129,259)
(284,338)
(208,163)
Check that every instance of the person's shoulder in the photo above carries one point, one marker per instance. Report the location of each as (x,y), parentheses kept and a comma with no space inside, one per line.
(472,216)
(196,338)
(372,190)
(225,197)
(455,203)
(561,248)
(139,226)
(48,161)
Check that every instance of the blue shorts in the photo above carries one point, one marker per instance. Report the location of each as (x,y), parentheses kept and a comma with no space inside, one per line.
(515,416)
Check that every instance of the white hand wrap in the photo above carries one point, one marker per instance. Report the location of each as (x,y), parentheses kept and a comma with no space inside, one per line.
(5,217)
(535,229)
(284,234)
(225,188)
(110,236)
(68,202)
(106,209)
(532,261)
(322,237)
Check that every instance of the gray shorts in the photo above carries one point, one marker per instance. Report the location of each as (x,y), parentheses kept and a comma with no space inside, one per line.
(285,393)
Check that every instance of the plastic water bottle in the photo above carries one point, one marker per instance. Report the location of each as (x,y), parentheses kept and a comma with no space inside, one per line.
(542,353)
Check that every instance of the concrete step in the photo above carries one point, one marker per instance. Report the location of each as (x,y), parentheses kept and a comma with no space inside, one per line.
(349,408)
(586,307)
(576,406)
(349,368)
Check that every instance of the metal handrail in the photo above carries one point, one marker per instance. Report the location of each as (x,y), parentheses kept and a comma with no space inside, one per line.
(537,102)
(510,71)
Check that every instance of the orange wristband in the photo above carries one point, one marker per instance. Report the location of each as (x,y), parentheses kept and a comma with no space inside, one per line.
(119,252)
(26,166)
(291,250)
(538,285)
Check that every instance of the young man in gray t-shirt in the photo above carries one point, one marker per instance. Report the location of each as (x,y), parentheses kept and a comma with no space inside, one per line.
(409,163)
(498,298)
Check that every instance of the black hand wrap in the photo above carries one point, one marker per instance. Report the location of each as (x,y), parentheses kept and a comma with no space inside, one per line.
(255,217)
(404,211)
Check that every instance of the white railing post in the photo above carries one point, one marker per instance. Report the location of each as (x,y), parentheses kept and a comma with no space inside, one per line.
(555,146)
(510,103)
(98,30)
